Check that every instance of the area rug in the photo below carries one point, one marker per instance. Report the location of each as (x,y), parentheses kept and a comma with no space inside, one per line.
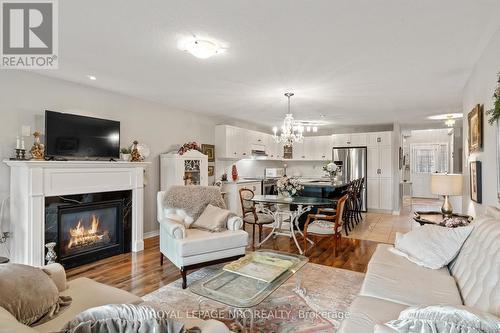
(328,294)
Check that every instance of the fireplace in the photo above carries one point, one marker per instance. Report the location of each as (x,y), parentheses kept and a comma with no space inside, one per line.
(88,227)
(89,231)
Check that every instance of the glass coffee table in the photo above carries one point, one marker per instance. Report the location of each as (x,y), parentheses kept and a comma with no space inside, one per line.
(239,291)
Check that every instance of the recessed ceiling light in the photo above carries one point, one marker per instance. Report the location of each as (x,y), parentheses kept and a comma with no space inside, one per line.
(446,116)
(201,48)
(91,77)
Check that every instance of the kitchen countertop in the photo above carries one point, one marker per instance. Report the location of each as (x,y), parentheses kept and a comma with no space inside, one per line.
(241,181)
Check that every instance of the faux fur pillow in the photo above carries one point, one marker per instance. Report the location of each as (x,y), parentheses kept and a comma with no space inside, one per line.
(120,318)
(29,294)
(192,200)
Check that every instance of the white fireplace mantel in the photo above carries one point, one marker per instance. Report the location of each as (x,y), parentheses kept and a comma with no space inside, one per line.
(32,181)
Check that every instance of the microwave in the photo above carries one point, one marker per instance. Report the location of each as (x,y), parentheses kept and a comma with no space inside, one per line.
(274,172)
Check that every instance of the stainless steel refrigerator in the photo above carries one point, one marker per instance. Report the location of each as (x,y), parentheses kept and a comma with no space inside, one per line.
(352,164)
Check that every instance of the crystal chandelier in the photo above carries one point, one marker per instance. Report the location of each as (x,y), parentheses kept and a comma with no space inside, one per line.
(291,131)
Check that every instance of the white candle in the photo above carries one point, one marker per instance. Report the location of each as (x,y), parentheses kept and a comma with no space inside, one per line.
(22,143)
(18,143)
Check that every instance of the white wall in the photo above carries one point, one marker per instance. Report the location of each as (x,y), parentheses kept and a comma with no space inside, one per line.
(479,90)
(24,97)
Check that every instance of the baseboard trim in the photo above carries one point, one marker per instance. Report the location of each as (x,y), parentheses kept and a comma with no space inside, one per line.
(151,234)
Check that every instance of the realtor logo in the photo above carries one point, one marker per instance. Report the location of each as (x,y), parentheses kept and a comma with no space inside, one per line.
(29,34)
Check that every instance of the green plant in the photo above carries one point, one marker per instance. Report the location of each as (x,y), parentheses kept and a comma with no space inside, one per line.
(495,112)
(125,151)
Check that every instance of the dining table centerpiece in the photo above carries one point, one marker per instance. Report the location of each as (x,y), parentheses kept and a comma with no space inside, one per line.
(289,186)
(331,169)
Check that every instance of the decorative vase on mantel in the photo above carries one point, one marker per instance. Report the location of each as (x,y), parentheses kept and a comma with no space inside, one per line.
(51,255)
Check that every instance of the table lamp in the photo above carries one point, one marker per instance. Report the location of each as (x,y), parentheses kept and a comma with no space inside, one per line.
(446,184)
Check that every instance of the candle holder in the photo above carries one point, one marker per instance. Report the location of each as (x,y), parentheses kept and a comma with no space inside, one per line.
(20,155)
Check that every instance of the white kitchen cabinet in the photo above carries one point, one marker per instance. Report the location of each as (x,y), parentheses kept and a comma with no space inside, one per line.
(299,151)
(385,161)
(373,193)
(379,139)
(385,186)
(372,162)
(324,148)
(188,169)
(234,142)
(358,140)
(341,140)
(232,196)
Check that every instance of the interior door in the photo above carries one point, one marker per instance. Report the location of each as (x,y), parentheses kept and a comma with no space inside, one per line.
(427,159)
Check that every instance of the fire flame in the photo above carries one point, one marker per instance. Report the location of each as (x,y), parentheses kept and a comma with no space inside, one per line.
(81,236)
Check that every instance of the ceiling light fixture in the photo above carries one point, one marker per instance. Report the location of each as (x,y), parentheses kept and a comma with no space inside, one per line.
(291,131)
(91,77)
(201,48)
(315,129)
(449,118)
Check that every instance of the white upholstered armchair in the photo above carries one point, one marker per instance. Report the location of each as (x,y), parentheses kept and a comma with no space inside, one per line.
(189,248)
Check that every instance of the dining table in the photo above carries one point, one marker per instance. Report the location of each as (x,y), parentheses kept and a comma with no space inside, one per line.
(278,207)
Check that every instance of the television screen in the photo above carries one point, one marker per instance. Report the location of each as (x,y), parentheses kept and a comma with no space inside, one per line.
(69,135)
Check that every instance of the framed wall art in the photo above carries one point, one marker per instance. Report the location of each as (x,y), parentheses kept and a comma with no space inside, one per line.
(211,170)
(475,135)
(208,150)
(476,186)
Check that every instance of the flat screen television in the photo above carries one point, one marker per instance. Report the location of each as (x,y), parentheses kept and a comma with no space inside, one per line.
(74,136)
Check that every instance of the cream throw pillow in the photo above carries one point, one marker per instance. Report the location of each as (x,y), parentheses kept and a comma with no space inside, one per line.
(431,246)
(29,294)
(213,219)
(445,319)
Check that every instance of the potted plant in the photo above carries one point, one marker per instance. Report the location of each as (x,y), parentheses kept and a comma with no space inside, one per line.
(289,187)
(125,154)
(495,112)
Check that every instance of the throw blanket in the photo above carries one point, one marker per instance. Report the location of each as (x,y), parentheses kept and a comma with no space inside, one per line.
(194,199)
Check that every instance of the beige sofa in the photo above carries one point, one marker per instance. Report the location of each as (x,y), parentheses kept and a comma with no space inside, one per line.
(87,293)
(393,283)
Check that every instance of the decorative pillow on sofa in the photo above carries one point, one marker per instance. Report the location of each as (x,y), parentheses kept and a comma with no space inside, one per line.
(431,246)
(445,319)
(213,219)
(29,294)
(118,318)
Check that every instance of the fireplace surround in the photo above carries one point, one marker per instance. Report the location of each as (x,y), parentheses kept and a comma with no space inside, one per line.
(32,182)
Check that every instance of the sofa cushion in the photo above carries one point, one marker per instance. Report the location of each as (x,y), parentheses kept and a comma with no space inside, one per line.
(200,241)
(86,294)
(477,267)
(393,278)
(212,219)
(431,246)
(9,324)
(29,294)
(365,312)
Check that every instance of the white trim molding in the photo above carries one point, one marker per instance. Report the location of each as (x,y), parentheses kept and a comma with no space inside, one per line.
(32,181)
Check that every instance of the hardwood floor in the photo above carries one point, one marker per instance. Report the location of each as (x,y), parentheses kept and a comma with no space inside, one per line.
(141,273)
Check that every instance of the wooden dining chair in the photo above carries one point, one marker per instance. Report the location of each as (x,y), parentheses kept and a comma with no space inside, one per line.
(323,225)
(250,214)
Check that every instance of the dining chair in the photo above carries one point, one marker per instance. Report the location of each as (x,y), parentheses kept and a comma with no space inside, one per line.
(323,225)
(250,214)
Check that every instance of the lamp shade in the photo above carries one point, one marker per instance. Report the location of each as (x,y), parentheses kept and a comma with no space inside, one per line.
(446,184)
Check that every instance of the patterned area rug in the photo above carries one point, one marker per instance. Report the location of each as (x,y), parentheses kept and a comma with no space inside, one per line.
(329,292)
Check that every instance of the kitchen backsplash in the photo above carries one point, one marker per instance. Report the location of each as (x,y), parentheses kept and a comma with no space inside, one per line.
(255,168)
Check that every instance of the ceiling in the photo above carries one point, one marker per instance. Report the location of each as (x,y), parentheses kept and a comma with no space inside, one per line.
(353,61)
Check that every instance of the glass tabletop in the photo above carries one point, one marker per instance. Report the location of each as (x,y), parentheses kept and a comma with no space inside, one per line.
(244,292)
(308,201)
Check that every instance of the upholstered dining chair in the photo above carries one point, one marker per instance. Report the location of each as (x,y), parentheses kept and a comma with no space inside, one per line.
(323,225)
(250,214)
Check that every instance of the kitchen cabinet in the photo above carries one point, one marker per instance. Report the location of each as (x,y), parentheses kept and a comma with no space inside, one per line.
(379,193)
(341,140)
(379,161)
(188,169)
(379,139)
(232,196)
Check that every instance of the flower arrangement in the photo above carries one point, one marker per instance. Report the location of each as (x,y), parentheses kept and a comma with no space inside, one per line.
(331,168)
(289,186)
(495,112)
(4,236)
(187,147)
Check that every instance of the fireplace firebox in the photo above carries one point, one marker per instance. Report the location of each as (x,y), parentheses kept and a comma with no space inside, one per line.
(89,231)
(88,227)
